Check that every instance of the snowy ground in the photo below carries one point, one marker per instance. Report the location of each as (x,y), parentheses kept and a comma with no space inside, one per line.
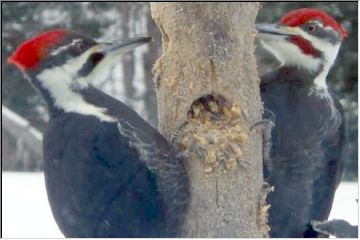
(26,211)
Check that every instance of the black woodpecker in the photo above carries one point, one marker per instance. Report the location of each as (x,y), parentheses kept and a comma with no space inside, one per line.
(306,161)
(108,173)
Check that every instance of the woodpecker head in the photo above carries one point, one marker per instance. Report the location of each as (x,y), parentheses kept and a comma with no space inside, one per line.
(60,63)
(67,57)
(307,38)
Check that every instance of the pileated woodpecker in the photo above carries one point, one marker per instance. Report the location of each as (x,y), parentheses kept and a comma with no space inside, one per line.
(108,173)
(306,160)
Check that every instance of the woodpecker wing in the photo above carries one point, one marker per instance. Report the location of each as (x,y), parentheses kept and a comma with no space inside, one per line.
(132,195)
(137,142)
(160,159)
(325,186)
(153,194)
(307,144)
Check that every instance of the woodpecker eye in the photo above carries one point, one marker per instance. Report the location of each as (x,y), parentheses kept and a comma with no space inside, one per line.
(80,46)
(311,27)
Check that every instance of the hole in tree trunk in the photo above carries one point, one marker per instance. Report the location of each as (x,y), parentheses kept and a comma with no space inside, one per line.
(215,133)
(210,107)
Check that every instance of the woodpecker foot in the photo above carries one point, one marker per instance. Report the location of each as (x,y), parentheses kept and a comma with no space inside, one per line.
(269,115)
(175,136)
(337,227)
(265,126)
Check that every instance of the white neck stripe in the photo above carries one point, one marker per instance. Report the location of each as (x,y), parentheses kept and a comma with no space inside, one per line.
(57,82)
(290,54)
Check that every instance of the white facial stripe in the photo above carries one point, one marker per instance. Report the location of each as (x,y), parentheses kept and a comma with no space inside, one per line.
(61,80)
(101,67)
(318,23)
(329,52)
(63,48)
(289,54)
(74,65)
(328,28)
(58,80)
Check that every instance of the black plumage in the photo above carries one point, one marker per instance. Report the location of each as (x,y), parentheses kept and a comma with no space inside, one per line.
(112,179)
(108,173)
(307,147)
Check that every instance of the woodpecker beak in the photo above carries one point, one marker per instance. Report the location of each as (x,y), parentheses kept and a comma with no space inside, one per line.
(111,52)
(104,55)
(120,47)
(275,31)
(277,40)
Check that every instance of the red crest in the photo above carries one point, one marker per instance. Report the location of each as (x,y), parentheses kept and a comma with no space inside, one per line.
(300,16)
(29,53)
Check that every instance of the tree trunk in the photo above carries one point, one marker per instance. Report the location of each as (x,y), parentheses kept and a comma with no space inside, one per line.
(149,59)
(206,77)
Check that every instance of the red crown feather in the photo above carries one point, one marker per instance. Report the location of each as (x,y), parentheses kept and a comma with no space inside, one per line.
(29,53)
(300,16)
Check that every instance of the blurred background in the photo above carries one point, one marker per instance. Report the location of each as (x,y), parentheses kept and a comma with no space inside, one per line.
(130,80)
(24,114)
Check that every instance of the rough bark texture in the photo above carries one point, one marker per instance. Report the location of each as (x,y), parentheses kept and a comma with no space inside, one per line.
(207,78)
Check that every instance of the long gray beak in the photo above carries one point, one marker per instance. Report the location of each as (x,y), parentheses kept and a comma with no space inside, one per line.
(121,47)
(275,30)
(103,55)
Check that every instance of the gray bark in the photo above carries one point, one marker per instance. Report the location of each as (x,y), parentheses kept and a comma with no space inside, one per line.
(208,50)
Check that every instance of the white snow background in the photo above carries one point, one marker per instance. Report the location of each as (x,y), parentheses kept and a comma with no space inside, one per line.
(27,214)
